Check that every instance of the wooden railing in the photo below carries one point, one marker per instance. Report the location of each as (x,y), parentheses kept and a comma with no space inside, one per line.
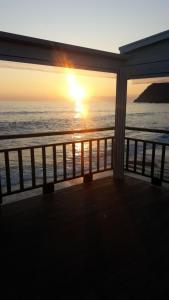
(42,166)
(53,163)
(146,157)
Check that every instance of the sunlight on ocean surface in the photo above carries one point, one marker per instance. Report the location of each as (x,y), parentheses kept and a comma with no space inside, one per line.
(33,117)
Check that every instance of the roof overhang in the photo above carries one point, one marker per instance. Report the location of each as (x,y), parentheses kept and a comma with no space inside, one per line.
(25,49)
(148,57)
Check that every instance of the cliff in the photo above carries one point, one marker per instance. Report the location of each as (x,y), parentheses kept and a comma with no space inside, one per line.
(155,93)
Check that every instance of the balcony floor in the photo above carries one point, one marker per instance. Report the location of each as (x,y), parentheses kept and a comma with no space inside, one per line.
(100,240)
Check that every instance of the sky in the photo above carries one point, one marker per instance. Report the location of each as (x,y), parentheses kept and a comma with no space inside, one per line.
(104,25)
(100,24)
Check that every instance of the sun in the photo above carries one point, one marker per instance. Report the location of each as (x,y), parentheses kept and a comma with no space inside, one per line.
(77,92)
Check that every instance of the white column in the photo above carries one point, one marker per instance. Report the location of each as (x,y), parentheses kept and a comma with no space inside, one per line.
(120,120)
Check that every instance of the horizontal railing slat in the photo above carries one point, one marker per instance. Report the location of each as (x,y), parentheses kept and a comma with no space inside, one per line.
(143,129)
(51,145)
(53,133)
(67,132)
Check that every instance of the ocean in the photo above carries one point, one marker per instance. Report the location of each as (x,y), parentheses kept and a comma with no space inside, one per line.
(33,117)
(28,117)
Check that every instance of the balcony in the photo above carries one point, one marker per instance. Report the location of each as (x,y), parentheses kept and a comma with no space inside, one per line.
(103,238)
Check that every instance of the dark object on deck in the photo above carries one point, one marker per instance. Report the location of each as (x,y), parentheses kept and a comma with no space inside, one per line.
(87,178)
(48,188)
(156,181)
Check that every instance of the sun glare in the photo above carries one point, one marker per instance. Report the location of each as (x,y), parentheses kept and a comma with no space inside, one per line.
(77,93)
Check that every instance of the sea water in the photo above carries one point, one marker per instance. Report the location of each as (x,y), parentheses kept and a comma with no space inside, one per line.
(35,117)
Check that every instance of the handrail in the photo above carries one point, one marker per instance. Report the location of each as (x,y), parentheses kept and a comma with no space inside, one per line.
(52,133)
(147,141)
(53,144)
(147,129)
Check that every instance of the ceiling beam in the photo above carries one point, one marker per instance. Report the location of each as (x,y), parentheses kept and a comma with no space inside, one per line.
(24,49)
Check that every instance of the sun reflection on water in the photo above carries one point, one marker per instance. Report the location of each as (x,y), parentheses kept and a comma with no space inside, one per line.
(78,94)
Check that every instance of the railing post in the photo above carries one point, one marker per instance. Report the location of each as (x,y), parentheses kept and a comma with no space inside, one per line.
(48,188)
(120,118)
(0,191)
(88,178)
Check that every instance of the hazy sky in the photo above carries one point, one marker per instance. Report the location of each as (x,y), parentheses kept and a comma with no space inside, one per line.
(102,24)
(97,24)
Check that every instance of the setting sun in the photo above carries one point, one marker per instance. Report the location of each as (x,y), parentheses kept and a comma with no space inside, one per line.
(77,93)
